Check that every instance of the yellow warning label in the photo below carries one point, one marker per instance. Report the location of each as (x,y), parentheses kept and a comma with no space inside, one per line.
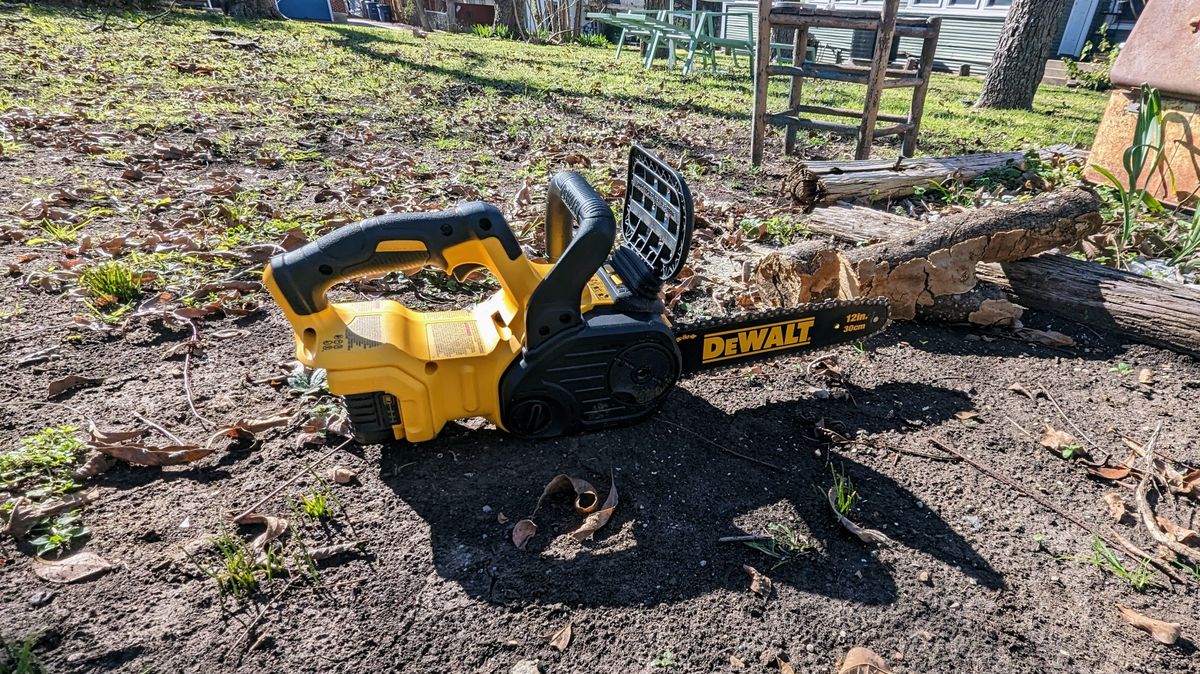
(454,339)
(760,339)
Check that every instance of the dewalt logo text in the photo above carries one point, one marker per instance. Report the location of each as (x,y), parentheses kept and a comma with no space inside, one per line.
(760,339)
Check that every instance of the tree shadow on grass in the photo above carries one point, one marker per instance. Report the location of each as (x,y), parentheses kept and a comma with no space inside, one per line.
(678,495)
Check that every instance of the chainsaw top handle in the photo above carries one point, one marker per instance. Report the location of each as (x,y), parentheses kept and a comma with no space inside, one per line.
(554,305)
(398,242)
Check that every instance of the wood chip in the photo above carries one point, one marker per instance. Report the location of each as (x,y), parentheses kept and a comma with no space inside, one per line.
(760,584)
(522,532)
(1162,632)
(1116,505)
(78,567)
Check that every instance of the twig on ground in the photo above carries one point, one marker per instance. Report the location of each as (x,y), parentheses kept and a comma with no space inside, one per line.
(1111,539)
(1063,414)
(725,449)
(187,381)
(1021,428)
(300,473)
(923,455)
(258,618)
(168,434)
(1141,496)
(743,539)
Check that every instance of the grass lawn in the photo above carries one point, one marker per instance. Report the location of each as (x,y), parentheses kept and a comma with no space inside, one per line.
(452,93)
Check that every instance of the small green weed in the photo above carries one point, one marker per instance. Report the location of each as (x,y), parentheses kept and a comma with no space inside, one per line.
(235,573)
(1141,577)
(1104,55)
(42,464)
(499,31)
(18,658)
(111,284)
(1190,569)
(780,229)
(16,310)
(53,232)
(664,661)
(1071,450)
(785,545)
(598,40)
(316,505)
(843,490)
(58,534)
(1122,368)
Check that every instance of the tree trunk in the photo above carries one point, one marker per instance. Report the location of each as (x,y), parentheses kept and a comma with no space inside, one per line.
(1154,312)
(935,261)
(422,18)
(506,15)
(253,9)
(1020,59)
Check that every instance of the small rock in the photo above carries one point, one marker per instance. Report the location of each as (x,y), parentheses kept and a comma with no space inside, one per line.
(186,523)
(41,598)
(821,393)
(703,563)
(924,577)
(487,508)
(526,667)
(809,648)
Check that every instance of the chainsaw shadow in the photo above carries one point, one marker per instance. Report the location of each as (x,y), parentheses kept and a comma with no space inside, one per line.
(678,494)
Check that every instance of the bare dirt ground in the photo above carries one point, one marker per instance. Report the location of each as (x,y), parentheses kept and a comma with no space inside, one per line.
(978,578)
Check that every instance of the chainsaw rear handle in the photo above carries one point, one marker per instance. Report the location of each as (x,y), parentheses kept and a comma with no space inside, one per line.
(554,305)
(403,242)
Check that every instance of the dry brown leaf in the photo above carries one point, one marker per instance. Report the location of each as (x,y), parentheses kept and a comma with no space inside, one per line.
(341,475)
(71,382)
(1188,484)
(79,566)
(502,518)
(785,667)
(1116,505)
(760,584)
(248,429)
(561,638)
(966,415)
(1179,533)
(599,518)
(142,455)
(95,464)
(862,533)
(1056,440)
(327,551)
(24,514)
(1162,632)
(99,437)
(1146,376)
(1110,472)
(522,532)
(586,496)
(1045,337)
(1017,387)
(276,527)
(862,660)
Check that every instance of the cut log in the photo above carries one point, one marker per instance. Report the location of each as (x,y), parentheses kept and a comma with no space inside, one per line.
(825,182)
(858,224)
(936,260)
(1145,310)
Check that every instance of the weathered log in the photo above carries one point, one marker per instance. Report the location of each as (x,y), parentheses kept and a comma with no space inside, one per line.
(826,182)
(1145,310)
(985,304)
(936,260)
(859,224)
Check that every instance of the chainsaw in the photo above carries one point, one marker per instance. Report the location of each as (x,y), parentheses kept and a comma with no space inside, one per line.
(578,342)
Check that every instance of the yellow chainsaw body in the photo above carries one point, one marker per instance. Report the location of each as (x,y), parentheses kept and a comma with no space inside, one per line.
(438,365)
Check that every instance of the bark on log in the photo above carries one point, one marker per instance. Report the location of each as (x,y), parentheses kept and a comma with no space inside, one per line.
(826,182)
(937,260)
(1145,310)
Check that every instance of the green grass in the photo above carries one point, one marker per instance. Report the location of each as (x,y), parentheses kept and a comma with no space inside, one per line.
(111,284)
(18,658)
(344,74)
(43,463)
(236,569)
(784,545)
(777,229)
(1140,577)
(845,495)
(316,505)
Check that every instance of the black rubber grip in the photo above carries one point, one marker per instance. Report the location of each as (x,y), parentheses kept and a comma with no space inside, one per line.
(554,305)
(304,275)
